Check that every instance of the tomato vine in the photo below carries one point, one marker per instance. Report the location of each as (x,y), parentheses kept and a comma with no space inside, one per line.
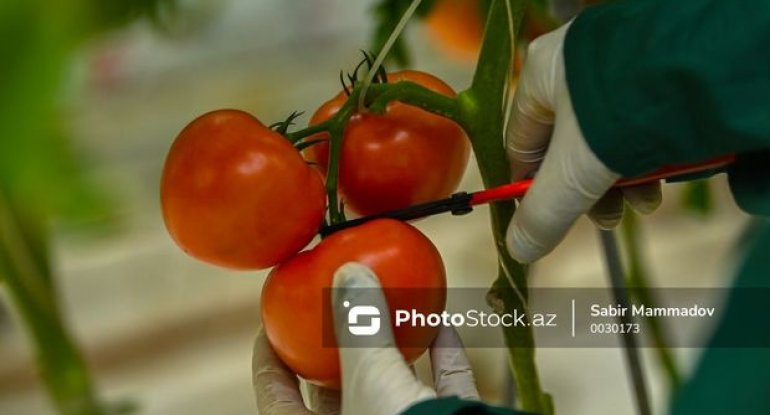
(480,111)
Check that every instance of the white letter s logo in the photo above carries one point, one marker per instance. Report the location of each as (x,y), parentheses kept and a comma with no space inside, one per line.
(363,311)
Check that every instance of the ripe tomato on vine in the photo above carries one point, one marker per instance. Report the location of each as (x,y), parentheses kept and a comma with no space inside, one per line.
(237,194)
(407,265)
(405,156)
(457,27)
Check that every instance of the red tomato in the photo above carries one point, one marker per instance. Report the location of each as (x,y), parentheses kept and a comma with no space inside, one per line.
(457,27)
(237,194)
(292,297)
(403,157)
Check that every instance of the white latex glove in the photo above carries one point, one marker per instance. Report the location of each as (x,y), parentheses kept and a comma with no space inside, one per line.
(277,389)
(544,135)
(375,379)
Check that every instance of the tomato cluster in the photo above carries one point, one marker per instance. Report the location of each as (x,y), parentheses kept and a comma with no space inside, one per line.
(238,194)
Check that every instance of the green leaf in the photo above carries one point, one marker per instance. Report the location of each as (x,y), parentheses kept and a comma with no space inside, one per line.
(40,169)
(108,14)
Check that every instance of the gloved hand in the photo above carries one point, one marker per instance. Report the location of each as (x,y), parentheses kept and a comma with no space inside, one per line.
(544,135)
(277,389)
(375,378)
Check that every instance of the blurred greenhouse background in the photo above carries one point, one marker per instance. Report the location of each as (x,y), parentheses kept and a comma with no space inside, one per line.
(166,334)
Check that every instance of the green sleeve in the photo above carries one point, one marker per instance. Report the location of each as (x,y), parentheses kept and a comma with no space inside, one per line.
(656,82)
(731,380)
(456,406)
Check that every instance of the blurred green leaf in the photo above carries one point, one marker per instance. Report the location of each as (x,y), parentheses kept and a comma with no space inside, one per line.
(107,14)
(39,168)
(696,198)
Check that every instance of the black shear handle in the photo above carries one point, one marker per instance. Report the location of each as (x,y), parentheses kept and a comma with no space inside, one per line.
(458,204)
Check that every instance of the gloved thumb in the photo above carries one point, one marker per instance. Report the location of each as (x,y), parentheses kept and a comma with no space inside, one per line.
(361,317)
(570,181)
(375,378)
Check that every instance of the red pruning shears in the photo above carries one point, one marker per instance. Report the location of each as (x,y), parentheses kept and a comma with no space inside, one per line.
(462,203)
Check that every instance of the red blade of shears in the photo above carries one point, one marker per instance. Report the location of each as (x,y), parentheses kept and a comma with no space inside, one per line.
(461,203)
(517,189)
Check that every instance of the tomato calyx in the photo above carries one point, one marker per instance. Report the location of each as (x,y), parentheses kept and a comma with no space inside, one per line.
(282,127)
(381,77)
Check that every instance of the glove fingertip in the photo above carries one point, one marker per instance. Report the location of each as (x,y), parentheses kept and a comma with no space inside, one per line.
(355,275)
(606,223)
(520,244)
(357,297)
(352,276)
(647,206)
(644,198)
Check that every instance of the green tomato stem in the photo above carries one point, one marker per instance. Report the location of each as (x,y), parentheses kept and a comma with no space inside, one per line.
(332,174)
(306,132)
(381,95)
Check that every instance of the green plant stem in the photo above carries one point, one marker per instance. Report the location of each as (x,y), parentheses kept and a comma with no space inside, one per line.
(639,288)
(380,95)
(336,213)
(26,272)
(313,129)
(335,128)
(482,116)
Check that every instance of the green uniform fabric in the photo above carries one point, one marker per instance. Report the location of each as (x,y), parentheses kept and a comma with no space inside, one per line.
(736,380)
(657,82)
(456,406)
